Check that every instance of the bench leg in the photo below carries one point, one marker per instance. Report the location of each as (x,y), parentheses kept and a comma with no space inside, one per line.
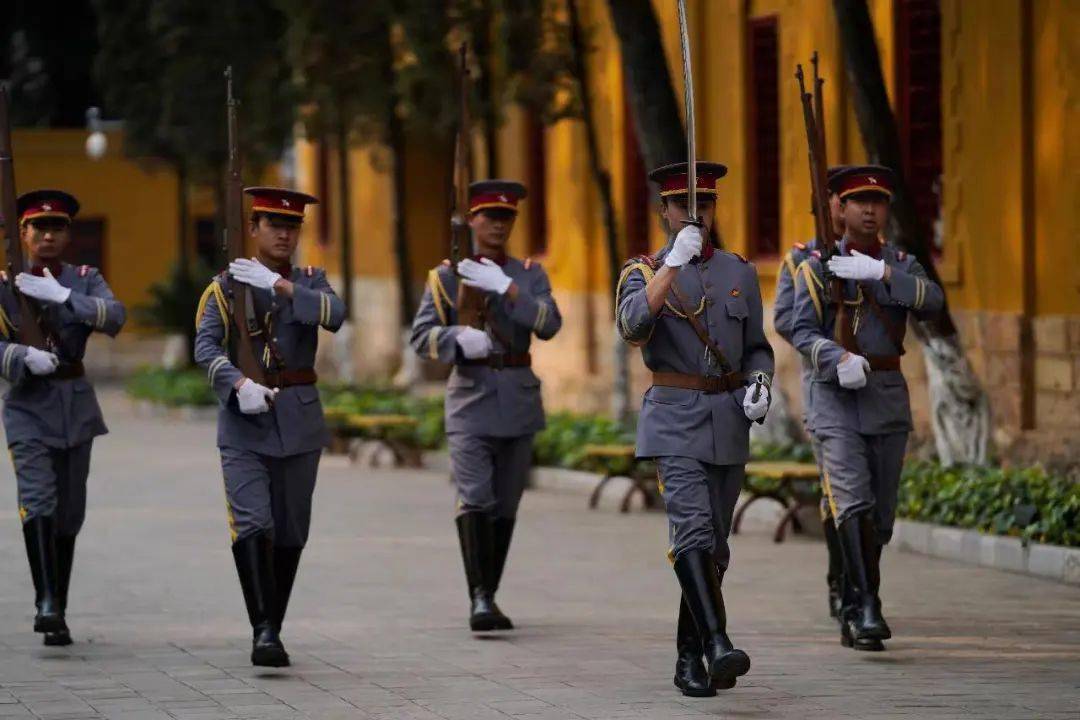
(750,501)
(789,516)
(594,498)
(639,486)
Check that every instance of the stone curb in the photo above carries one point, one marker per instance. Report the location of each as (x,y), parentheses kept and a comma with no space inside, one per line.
(1052,562)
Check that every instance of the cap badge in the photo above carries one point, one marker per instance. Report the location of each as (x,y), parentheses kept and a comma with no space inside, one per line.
(872,179)
(503,198)
(284,202)
(46,207)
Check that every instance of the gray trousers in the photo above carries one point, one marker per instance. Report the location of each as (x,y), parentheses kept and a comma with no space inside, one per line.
(861,473)
(270,494)
(700,500)
(490,473)
(52,482)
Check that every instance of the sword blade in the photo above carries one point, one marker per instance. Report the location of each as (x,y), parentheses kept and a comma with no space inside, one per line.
(688,85)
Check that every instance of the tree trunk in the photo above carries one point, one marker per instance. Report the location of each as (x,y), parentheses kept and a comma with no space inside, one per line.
(346,218)
(401,239)
(620,397)
(960,410)
(648,83)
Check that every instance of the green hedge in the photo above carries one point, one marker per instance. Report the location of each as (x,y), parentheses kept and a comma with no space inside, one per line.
(358,400)
(174,388)
(1028,503)
(562,443)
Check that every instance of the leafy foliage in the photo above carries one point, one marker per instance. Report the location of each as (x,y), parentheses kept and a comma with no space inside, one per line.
(562,443)
(342,400)
(1028,503)
(175,388)
(161,65)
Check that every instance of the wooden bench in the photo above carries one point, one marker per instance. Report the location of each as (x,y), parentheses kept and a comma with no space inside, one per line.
(393,432)
(641,475)
(789,476)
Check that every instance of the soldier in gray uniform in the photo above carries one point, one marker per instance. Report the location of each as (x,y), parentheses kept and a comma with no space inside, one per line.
(51,415)
(493,403)
(696,312)
(270,435)
(782,320)
(859,406)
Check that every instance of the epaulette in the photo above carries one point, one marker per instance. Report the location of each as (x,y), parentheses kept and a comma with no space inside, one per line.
(309,270)
(84,270)
(529,263)
(649,260)
(800,246)
(445,262)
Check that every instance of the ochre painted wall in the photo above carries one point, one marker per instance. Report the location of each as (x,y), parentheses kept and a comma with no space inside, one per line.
(137,199)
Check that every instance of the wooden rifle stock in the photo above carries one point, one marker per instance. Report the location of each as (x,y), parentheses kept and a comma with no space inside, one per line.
(470,302)
(241,350)
(30,330)
(828,243)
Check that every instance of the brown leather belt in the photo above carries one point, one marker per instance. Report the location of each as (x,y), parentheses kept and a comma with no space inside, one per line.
(879,363)
(498,362)
(710,384)
(68,371)
(288,378)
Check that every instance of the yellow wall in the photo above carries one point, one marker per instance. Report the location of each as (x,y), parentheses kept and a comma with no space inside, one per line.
(984,86)
(137,200)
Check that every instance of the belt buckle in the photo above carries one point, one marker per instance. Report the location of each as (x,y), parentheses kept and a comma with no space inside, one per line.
(497,362)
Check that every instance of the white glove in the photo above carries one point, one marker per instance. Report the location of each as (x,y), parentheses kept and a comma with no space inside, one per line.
(473,343)
(852,370)
(484,275)
(40,362)
(254,398)
(45,289)
(687,245)
(856,267)
(756,410)
(253,273)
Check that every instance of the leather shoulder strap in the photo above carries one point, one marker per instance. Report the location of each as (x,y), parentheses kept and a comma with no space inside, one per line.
(700,331)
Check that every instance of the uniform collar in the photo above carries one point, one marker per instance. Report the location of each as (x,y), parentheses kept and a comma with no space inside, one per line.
(873,250)
(499,260)
(55,267)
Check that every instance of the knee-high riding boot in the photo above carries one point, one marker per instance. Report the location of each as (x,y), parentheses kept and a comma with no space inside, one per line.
(700,581)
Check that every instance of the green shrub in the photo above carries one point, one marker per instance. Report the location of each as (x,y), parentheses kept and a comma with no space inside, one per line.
(1028,503)
(171,387)
(562,443)
(429,434)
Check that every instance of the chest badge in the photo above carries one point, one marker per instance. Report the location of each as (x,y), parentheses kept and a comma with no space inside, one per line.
(735,292)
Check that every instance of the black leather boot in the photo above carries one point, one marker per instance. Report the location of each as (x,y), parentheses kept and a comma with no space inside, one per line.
(477,553)
(874,577)
(862,626)
(286,563)
(40,541)
(700,581)
(502,530)
(690,674)
(835,575)
(254,558)
(65,557)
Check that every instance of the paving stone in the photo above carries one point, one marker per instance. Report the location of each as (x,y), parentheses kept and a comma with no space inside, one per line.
(376,628)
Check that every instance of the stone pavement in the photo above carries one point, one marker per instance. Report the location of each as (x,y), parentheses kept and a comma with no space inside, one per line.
(377,630)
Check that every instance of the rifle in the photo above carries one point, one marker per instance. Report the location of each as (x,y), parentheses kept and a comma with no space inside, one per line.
(241,351)
(30,331)
(470,302)
(814,119)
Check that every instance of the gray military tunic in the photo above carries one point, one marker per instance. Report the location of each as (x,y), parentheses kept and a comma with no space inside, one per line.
(270,460)
(861,433)
(701,441)
(491,413)
(51,423)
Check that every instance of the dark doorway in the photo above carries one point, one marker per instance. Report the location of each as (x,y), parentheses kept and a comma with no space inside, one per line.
(763,48)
